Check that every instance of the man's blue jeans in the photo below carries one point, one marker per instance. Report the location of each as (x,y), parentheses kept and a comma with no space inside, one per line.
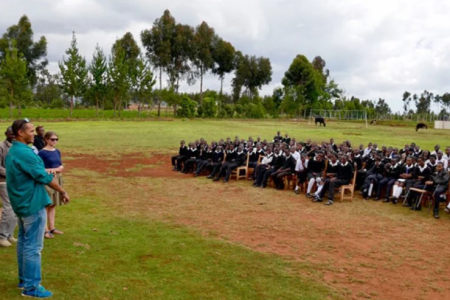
(29,247)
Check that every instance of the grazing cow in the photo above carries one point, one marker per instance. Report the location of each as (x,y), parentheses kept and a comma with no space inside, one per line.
(421,126)
(321,121)
(373,122)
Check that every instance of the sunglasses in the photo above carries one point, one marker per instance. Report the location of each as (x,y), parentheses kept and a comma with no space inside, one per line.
(54,140)
(24,121)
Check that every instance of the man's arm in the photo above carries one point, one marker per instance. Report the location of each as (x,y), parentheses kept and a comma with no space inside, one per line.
(54,185)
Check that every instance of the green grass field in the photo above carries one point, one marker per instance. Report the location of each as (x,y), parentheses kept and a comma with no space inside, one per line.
(150,237)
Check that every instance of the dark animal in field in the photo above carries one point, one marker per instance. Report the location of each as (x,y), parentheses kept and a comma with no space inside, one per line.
(421,126)
(321,121)
(373,122)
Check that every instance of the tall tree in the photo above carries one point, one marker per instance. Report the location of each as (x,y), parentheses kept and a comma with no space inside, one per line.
(319,65)
(98,77)
(302,73)
(73,73)
(423,102)
(13,76)
(129,45)
(157,42)
(181,51)
(251,73)
(33,52)
(202,59)
(224,60)
(141,82)
(118,79)
(48,89)
(406,101)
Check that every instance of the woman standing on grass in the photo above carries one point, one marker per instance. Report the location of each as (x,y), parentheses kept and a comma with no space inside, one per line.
(52,162)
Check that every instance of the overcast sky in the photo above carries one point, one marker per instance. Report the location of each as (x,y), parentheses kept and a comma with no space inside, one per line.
(373,48)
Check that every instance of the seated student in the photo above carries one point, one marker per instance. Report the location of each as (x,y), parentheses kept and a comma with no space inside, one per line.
(226,169)
(182,152)
(355,158)
(315,168)
(333,145)
(391,174)
(301,170)
(286,139)
(288,168)
(191,154)
(277,163)
(374,175)
(197,156)
(431,163)
(278,137)
(440,159)
(332,169)
(439,184)
(230,155)
(254,156)
(294,153)
(421,174)
(343,177)
(267,159)
(405,179)
(213,158)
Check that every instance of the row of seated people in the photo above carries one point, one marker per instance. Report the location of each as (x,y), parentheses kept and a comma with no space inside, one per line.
(325,167)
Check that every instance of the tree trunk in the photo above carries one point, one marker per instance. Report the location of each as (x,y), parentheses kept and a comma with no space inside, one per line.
(96,106)
(115,106)
(71,105)
(11,103)
(201,86)
(139,108)
(221,87)
(160,89)
(120,107)
(20,109)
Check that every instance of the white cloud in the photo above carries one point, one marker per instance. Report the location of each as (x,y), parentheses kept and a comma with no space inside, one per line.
(373,48)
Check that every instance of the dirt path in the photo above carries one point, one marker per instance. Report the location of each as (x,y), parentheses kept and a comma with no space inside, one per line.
(368,250)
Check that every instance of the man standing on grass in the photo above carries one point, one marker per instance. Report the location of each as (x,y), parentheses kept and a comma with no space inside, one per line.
(9,220)
(39,142)
(26,178)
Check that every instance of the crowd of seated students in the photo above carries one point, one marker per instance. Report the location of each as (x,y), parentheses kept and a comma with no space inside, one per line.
(385,173)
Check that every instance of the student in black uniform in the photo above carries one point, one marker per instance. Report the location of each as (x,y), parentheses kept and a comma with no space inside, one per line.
(439,183)
(254,156)
(315,168)
(191,157)
(277,163)
(197,157)
(405,179)
(230,154)
(213,158)
(286,139)
(332,169)
(182,152)
(288,168)
(239,159)
(278,137)
(344,176)
(267,159)
(422,174)
(301,170)
(431,163)
(391,174)
(374,175)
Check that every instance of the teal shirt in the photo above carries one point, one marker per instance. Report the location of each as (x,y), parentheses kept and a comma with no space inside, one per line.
(25,180)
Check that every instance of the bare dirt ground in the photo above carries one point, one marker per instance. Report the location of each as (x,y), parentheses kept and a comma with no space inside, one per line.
(365,250)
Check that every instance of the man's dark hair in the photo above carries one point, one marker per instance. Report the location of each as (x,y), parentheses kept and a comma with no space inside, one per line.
(19,125)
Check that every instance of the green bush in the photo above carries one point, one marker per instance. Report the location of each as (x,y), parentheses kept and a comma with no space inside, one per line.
(57,103)
(208,108)
(187,108)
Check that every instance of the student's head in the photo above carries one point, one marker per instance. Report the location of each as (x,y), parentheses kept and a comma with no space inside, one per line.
(421,161)
(219,148)
(287,152)
(241,147)
(437,147)
(331,141)
(303,157)
(343,159)
(433,158)
(278,132)
(9,134)
(332,157)
(268,150)
(286,134)
(447,151)
(409,160)
(292,149)
(182,143)
(40,130)
(439,154)
(23,130)
(439,167)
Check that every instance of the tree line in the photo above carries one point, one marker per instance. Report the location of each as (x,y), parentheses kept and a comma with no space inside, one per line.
(178,53)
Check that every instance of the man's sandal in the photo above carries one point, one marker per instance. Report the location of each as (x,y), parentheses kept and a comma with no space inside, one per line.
(48,235)
(56,231)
